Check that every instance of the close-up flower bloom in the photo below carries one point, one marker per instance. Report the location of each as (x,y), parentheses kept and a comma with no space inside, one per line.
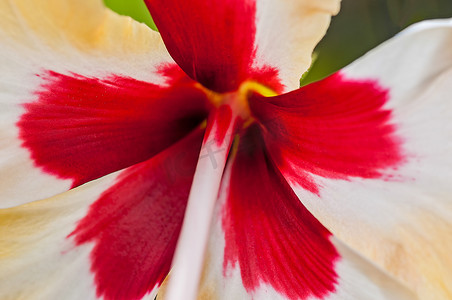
(189,164)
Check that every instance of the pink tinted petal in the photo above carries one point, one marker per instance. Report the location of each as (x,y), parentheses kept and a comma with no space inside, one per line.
(335,128)
(212,41)
(82,128)
(269,234)
(135,224)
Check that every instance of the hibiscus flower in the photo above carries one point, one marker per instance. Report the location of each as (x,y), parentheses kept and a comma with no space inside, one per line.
(126,153)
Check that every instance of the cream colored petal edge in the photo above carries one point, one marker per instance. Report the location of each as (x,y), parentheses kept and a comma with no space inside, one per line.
(86,24)
(287,32)
(37,260)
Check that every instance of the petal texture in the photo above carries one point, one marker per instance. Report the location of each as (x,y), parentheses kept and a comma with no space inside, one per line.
(264,231)
(112,238)
(336,128)
(400,219)
(135,224)
(223,43)
(83,93)
(273,248)
(82,128)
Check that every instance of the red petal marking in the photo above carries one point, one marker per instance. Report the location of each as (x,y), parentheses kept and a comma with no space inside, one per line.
(135,224)
(269,233)
(212,41)
(223,122)
(335,128)
(82,128)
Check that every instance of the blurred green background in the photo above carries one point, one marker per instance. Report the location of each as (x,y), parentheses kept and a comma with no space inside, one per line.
(360,26)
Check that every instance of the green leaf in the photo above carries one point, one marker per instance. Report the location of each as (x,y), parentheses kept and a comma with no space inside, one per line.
(133,8)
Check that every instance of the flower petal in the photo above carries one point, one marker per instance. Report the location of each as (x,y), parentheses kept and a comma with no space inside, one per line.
(266,244)
(222,43)
(327,129)
(399,212)
(37,261)
(122,245)
(75,105)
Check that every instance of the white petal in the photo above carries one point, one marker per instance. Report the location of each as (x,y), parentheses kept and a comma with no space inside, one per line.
(402,221)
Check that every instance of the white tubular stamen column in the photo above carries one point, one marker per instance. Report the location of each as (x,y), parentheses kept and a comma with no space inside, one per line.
(189,256)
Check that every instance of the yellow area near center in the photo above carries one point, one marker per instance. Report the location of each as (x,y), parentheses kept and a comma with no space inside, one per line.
(253,86)
(238,100)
